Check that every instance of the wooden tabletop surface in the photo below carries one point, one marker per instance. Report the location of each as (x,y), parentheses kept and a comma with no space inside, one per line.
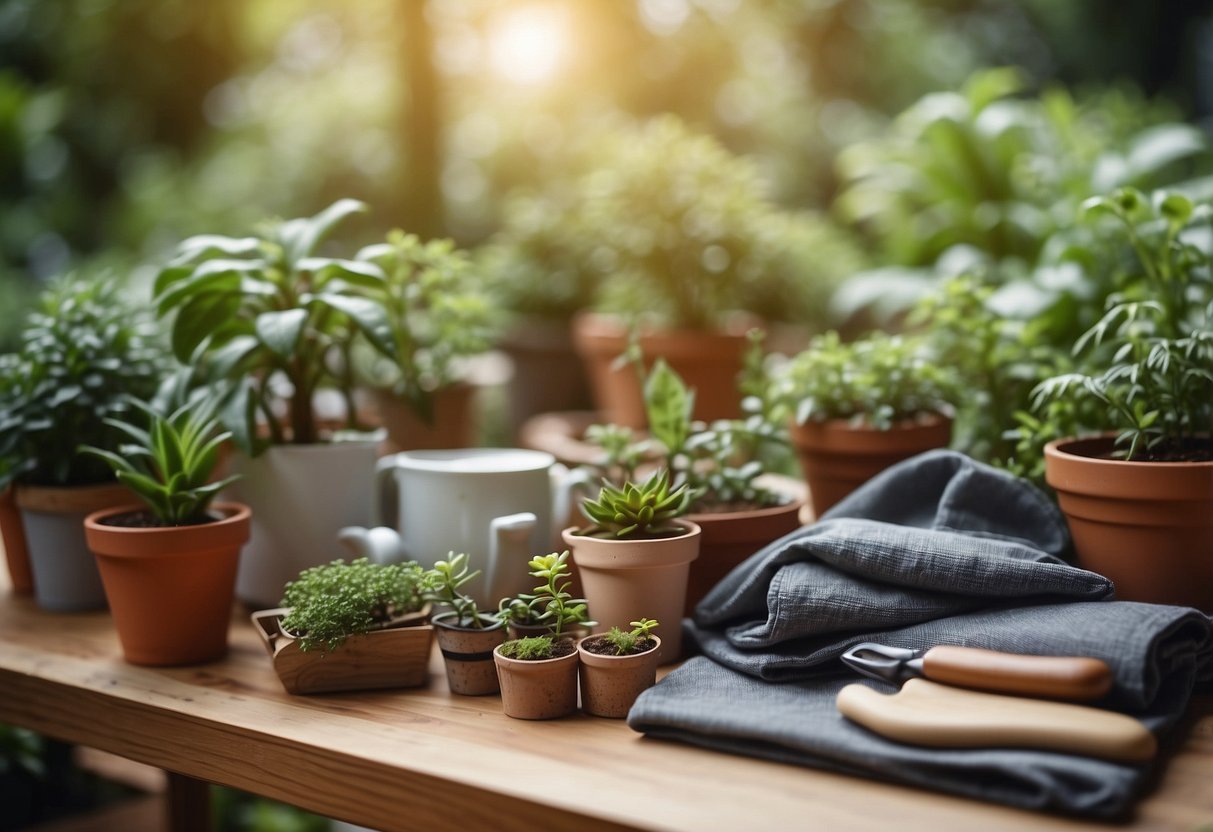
(425,759)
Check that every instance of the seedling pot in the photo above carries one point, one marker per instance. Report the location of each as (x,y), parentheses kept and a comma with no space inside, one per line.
(1148,526)
(537,689)
(610,684)
(468,654)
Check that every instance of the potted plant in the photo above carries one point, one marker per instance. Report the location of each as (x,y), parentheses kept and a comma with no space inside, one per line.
(1137,496)
(636,554)
(550,608)
(860,407)
(278,324)
(83,354)
(721,465)
(465,636)
(439,317)
(538,674)
(169,566)
(616,667)
(350,626)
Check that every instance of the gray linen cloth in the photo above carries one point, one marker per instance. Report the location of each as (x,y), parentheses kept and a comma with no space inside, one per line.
(936,550)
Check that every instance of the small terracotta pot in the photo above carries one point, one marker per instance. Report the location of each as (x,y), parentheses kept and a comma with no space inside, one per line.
(468,654)
(1148,526)
(730,537)
(838,457)
(626,580)
(548,375)
(709,362)
(170,589)
(454,424)
(537,689)
(12,536)
(610,684)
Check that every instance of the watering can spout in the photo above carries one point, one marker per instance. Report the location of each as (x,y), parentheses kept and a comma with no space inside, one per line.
(379,544)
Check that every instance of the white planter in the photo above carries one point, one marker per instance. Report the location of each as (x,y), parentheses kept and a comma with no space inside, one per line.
(301,495)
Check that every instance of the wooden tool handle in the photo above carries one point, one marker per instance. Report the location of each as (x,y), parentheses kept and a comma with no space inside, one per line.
(924,713)
(1056,677)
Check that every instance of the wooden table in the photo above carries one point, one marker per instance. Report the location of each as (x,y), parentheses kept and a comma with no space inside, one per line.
(424,759)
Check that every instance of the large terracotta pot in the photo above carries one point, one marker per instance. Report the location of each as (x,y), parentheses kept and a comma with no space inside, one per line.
(468,654)
(547,374)
(65,572)
(709,362)
(537,689)
(170,589)
(729,538)
(1148,526)
(610,684)
(838,457)
(454,424)
(12,537)
(626,580)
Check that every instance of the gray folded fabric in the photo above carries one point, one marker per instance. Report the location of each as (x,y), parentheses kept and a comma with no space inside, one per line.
(937,550)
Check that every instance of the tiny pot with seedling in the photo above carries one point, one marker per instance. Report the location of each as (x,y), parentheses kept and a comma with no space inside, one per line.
(549,609)
(616,667)
(465,636)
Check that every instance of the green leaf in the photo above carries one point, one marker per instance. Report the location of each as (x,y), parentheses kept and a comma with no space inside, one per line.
(366,314)
(300,237)
(367,275)
(280,331)
(669,405)
(211,276)
(199,319)
(206,245)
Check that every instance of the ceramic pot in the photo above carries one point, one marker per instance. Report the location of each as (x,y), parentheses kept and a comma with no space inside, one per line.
(547,375)
(64,570)
(610,684)
(468,654)
(709,363)
(12,537)
(170,589)
(454,424)
(1148,526)
(626,580)
(300,496)
(537,689)
(729,537)
(838,457)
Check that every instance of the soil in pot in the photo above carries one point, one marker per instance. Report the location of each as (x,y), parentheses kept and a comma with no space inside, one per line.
(1148,526)
(539,688)
(610,683)
(468,654)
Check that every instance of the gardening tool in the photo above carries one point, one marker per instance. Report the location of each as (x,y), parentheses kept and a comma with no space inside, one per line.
(1074,678)
(928,713)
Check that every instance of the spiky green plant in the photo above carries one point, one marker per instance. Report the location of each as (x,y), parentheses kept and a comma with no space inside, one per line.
(636,640)
(532,648)
(443,586)
(637,511)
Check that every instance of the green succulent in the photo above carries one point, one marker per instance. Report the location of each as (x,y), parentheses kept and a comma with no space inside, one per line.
(443,586)
(637,511)
(550,603)
(635,640)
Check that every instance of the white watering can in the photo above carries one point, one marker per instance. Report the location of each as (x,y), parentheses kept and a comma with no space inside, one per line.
(501,506)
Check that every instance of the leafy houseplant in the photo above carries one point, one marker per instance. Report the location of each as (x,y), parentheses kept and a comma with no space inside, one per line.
(350,626)
(465,635)
(860,407)
(83,354)
(278,323)
(634,557)
(550,608)
(616,667)
(1147,371)
(170,568)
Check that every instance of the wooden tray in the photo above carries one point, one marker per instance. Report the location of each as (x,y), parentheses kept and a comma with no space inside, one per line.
(396,657)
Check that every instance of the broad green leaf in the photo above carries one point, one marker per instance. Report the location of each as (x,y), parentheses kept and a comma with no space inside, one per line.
(668,405)
(239,417)
(224,359)
(366,314)
(205,245)
(300,237)
(280,331)
(200,318)
(211,276)
(354,272)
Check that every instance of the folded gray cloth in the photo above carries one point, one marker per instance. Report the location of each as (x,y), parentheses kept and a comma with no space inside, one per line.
(937,550)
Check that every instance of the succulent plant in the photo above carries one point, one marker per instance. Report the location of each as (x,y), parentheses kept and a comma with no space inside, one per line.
(443,584)
(550,603)
(635,640)
(637,511)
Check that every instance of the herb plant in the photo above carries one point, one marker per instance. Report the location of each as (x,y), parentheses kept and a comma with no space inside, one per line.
(170,463)
(636,640)
(275,321)
(637,512)
(443,583)
(331,602)
(532,648)
(83,354)
(550,604)
(875,381)
(1149,361)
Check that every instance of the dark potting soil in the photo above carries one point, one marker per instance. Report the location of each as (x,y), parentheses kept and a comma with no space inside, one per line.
(146,520)
(599,645)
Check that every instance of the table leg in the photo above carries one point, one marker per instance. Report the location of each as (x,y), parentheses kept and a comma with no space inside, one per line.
(189,804)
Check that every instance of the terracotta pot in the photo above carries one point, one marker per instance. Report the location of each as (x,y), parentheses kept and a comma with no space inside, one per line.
(729,538)
(454,424)
(610,684)
(709,362)
(468,654)
(170,589)
(548,375)
(1148,526)
(838,457)
(12,537)
(626,580)
(537,689)
(65,572)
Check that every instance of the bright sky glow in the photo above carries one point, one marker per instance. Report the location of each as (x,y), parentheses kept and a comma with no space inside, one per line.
(528,44)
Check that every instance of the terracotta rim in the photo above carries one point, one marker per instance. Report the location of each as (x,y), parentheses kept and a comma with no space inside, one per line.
(442,620)
(599,660)
(166,541)
(531,665)
(840,436)
(597,332)
(587,550)
(1075,465)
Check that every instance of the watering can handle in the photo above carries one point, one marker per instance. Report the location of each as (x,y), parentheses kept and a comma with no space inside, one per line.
(568,486)
(385,510)
(509,552)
